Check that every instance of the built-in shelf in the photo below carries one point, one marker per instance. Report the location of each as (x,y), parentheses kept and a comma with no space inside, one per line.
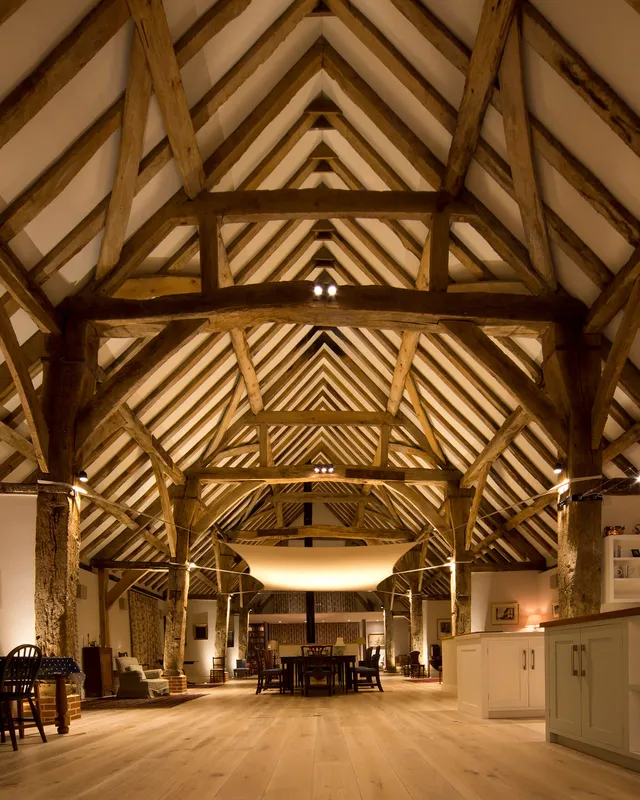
(621,589)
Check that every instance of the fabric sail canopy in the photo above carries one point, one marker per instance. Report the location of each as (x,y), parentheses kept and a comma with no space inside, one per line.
(322,569)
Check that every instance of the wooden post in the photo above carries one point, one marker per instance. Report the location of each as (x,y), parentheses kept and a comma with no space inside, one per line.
(386,597)
(459,502)
(187,509)
(243,631)
(221,627)
(67,383)
(103,611)
(580,518)
(417,622)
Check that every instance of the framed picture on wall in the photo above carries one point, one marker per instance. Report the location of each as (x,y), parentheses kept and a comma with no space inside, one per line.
(444,628)
(555,610)
(375,640)
(230,636)
(200,632)
(505,613)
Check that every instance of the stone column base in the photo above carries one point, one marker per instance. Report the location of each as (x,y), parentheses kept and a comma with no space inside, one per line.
(177,684)
(47,703)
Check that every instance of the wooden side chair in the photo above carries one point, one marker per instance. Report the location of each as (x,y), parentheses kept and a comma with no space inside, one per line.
(316,650)
(268,677)
(416,669)
(17,682)
(364,676)
(217,673)
(241,669)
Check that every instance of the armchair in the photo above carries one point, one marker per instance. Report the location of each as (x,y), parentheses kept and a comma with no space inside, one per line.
(134,682)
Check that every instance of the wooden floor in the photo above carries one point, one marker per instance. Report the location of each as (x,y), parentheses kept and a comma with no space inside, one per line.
(409,742)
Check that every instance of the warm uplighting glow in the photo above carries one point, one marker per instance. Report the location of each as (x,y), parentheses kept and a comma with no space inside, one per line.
(533,621)
(80,490)
(563,487)
(192,565)
(323,468)
(330,469)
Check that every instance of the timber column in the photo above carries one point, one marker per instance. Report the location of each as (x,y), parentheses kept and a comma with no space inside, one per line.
(459,504)
(417,621)
(387,591)
(68,383)
(187,509)
(225,559)
(580,507)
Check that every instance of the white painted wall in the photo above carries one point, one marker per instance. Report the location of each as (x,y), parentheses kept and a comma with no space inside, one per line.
(435,610)
(529,589)
(621,511)
(401,635)
(17,570)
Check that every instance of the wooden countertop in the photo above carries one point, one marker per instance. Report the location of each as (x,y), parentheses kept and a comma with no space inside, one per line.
(624,612)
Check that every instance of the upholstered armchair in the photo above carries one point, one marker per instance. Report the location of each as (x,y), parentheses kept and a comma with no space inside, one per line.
(136,682)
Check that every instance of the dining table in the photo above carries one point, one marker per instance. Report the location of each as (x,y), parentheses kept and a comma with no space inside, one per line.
(343,664)
(59,669)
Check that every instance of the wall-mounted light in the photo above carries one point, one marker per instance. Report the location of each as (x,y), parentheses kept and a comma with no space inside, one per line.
(323,469)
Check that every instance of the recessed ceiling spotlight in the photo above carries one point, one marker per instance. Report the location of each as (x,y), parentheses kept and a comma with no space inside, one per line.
(318,290)
(558,467)
(332,290)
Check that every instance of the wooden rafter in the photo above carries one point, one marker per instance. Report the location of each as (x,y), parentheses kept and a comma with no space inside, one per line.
(155,36)
(493,30)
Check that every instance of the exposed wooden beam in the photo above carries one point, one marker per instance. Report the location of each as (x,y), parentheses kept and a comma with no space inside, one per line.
(322,532)
(615,362)
(316,497)
(614,295)
(26,392)
(209,239)
(116,390)
(165,504)
(60,66)
(517,132)
(511,566)
(433,274)
(329,418)
(223,503)
(483,70)
(149,443)
(475,503)
(27,294)
(130,149)
(502,438)
(19,443)
(533,399)
(152,25)
(320,203)
(105,563)
(538,505)
(619,445)
(341,474)
(581,77)
(126,582)
(223,425)
(425,422)
(353,306)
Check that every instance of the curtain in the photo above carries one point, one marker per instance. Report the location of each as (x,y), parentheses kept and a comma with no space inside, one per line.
(144,618)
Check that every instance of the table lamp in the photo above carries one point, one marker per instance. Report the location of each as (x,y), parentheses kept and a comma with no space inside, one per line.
(533,621)
(339,646)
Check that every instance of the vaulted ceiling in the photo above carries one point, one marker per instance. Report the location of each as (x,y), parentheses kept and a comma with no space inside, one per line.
(96,154)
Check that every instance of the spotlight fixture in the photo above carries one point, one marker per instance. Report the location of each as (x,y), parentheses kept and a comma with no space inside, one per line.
(323,469)
(637,478)
(330,469)
(558,467)
(332,290)
(83,477)
(316,469)
(192,565)
(318,290)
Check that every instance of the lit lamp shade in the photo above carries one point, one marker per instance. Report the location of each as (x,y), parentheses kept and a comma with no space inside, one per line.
(361,640)
(273,644)
(534,620)
(340,641)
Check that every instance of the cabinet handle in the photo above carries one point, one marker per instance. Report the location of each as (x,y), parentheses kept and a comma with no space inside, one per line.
(533,659)
(524,659)
(574,651)
(583,651)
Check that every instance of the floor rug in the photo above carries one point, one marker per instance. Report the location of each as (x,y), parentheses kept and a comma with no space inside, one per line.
(423,680)
(112,703)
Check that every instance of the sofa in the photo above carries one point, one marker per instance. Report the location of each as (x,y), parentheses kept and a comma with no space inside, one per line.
(135,682)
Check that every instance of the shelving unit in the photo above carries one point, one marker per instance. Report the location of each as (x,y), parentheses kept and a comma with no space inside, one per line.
(621,589)
(257,641)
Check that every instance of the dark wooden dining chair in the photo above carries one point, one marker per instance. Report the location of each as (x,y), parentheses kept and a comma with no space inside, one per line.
(416,669)
(268,677)
(316,650)
(435,659)
(363,677)
(318,668)
(17,682)
(241,669)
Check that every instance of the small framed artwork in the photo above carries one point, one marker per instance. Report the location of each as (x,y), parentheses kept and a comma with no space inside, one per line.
(555,610)
(505,613)
(444,628)
(200,632)
(375,640)
(230,636)
(635,553)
